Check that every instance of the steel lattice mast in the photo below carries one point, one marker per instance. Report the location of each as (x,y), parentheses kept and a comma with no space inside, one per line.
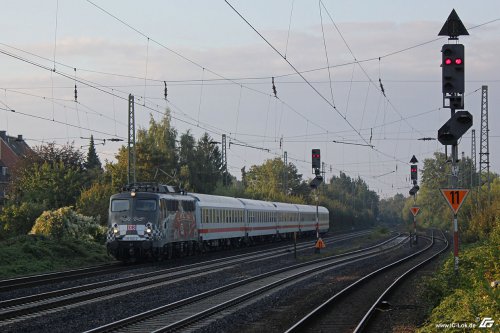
(473,168)
(131,140)
(484,153)
(224,161)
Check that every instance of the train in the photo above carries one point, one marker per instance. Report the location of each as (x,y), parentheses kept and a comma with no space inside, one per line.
(158,221)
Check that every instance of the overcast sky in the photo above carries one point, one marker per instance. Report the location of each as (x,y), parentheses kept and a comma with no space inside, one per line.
(218,71)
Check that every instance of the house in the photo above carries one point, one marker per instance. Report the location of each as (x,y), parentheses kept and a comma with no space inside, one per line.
(12,149)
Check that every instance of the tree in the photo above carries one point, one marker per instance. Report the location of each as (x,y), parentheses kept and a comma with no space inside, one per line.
(53,176)
(94,201)
(49,178)
(92,161)
(265,181)
(391,209)
(156,158)
(206,169)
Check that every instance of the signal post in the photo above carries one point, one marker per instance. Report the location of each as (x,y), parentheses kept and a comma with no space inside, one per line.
(413,192)
(453,88)
(316,165)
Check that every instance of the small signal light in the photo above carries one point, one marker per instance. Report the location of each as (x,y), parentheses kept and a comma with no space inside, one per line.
(458,61)
(447,61)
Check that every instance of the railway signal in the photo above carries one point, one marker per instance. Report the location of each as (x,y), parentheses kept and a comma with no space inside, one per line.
(414,190)
(316,182)
(453,68)
(455,127)
(316,159)
(413,172)
(453,87)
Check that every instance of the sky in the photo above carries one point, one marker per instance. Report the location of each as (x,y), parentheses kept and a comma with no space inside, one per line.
(327,59)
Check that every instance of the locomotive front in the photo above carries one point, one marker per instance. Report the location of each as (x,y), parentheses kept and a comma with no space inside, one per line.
(132,225)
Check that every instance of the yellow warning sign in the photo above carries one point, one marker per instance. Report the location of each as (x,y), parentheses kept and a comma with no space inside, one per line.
(320,244)
(415,210)
(455,197)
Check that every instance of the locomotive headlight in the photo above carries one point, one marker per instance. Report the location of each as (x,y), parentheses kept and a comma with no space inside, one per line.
(149,228)
(115,229)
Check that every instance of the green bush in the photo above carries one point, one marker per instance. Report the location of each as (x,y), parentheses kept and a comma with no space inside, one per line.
(29,254)
(16,220)
(466,296)
(66,223)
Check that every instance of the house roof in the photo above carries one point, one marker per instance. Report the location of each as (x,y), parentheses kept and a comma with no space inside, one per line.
(11,149)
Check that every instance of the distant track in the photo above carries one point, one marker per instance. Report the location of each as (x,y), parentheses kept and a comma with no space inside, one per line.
(327,317)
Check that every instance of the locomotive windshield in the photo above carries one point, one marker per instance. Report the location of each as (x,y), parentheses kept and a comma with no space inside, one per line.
(145,205)
(120,205)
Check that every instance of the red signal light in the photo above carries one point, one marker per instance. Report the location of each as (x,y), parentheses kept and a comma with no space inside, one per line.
(447,61)
(458,61)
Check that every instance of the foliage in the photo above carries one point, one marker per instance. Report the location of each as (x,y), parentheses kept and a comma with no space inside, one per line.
(66,223)
(350,202)
(51,176)
(92,161)
(466,297)
(94,201)
(30,254)
(391,209)
(265,182)
(19,219)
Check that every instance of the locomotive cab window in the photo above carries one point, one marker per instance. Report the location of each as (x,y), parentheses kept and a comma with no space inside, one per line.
(120,205)
(145,205)
(172,205)
(188,206)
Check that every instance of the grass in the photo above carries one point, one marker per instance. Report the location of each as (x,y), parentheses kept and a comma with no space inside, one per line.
(26,255)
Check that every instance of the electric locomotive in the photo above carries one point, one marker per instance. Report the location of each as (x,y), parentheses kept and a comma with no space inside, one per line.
(146,220)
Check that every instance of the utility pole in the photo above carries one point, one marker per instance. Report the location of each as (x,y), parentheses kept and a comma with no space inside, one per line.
(131,140)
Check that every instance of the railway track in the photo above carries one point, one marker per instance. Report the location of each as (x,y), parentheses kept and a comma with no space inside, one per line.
(22,308)
(36,280)
(182,314)
(365,296)
(74,274)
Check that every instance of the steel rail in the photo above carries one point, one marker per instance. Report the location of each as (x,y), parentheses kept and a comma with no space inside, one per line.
(314,314)
(318,264)
(16,307)
(366,318)
(73,274)
(38,279)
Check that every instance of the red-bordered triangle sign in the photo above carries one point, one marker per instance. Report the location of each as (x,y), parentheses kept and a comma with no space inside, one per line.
(455,197)
(415,210)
